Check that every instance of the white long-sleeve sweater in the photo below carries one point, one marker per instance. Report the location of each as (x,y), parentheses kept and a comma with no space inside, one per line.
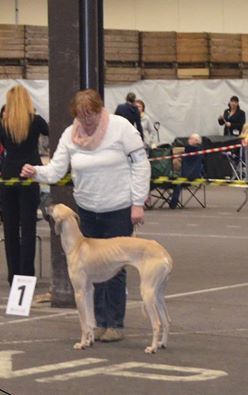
(104,179)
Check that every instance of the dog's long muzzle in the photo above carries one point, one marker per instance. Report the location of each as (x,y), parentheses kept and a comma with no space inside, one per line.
(46,207)
(49,210)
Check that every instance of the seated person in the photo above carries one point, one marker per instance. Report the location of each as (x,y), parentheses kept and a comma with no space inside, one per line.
(192,166)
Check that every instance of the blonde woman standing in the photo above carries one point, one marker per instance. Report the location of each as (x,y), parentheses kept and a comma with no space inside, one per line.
(244,135)
(19,134)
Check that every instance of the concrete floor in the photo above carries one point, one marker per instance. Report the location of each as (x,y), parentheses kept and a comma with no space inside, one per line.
(207,300)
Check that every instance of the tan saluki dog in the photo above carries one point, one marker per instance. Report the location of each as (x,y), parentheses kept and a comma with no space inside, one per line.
(96,260)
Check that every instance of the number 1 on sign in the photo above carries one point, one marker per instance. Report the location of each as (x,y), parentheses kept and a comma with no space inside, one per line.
(22,289)
(21,295)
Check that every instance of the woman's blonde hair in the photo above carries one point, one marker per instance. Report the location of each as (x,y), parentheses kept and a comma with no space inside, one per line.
(19,113)
(244,135)
(244,132)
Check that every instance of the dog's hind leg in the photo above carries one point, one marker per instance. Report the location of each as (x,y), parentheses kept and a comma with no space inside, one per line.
(148,296)
(162,310)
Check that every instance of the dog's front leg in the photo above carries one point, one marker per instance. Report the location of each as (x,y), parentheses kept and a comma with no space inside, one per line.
(90,311)
(80,297)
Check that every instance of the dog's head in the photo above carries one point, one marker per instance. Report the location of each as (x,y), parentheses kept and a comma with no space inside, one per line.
(60,212)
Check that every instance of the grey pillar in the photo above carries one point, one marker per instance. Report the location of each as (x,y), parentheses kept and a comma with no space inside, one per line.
(75,59)
(91,45)
(100,48)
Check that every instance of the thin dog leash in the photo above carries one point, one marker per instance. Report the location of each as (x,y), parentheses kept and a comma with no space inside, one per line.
(135,230)
(134,234)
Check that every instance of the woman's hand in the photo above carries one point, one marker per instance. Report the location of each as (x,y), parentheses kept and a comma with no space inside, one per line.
(137,215)
(228,124)
(28,171)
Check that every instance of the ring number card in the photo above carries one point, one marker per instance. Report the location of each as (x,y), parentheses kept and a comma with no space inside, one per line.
(21,295)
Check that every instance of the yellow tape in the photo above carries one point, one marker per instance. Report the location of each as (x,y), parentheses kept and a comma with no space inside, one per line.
(65,180)
(160,180)
(200,181)
(26,182)
(11,181)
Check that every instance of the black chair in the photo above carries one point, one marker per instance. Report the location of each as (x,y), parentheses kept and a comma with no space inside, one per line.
(160,192)
(192,168)
(217,165)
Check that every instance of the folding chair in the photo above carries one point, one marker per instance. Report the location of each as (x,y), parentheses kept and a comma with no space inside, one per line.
(245,175)
(160,193)
(192,168)
(237,162)
(194,193)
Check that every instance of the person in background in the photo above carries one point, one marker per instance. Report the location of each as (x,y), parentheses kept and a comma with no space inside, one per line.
(2,113)
(147,126)
(244,142)
(111,176)
(244,135)
(129,111)
(192,166)
(19,134)
(233,118)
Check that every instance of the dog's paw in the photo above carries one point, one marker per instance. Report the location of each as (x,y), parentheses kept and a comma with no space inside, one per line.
(90,339)
(89,342)
(79,346)
(150,350)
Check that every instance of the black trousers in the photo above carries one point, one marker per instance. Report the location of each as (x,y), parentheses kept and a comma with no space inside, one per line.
(110,296)
(19,209)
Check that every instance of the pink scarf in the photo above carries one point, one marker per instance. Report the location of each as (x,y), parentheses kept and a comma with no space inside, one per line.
(86,141)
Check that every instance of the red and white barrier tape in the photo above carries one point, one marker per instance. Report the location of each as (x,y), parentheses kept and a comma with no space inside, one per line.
(195,153)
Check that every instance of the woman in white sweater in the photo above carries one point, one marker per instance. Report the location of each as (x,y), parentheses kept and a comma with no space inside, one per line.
(111,178)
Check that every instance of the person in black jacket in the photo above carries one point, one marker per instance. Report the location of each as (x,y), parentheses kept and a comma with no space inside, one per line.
(233,118)
(2,112)
(130,111)
(19,134)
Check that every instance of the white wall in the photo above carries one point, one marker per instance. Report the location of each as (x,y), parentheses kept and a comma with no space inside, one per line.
(7,11)
(178,15)
(182,107)
(33,12)
(30,12)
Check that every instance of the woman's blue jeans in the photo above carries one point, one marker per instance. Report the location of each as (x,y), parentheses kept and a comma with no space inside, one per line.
(110,296)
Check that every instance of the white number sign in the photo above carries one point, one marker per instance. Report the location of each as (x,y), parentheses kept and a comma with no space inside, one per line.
(21,295)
